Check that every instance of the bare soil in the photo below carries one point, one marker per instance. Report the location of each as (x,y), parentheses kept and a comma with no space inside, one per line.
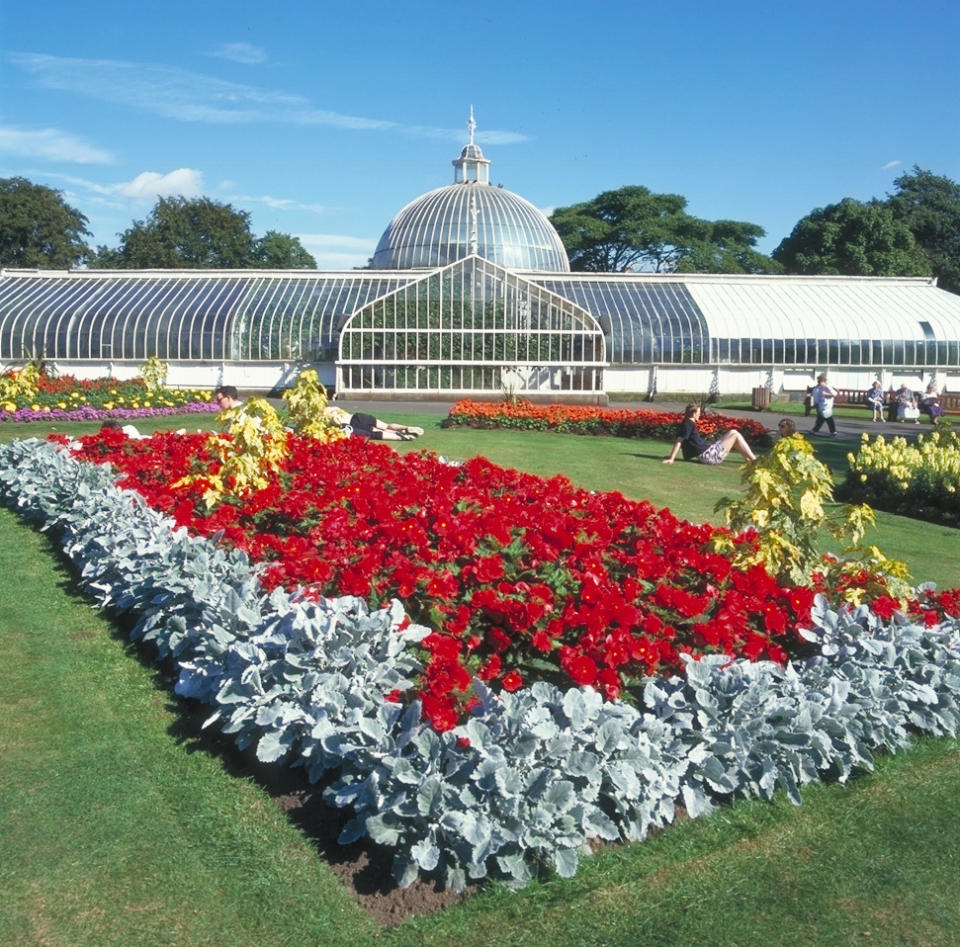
(363,868)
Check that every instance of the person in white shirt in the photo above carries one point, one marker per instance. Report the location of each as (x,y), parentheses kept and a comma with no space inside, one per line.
(823,395)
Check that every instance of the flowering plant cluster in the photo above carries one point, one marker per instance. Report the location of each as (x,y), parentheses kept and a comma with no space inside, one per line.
(28,394)
(590,419)
(520,577)
(920,480)
(532,776)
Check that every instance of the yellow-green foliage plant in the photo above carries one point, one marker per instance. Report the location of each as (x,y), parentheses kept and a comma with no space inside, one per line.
(306,402)
(21,384)
(920,479)
(789,502)
(251,451)
(154,374)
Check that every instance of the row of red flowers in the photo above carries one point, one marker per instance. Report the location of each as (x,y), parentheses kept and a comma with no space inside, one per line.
(591,419)
(518,575)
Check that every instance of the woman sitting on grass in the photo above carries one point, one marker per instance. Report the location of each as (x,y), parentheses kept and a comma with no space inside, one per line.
(694,447)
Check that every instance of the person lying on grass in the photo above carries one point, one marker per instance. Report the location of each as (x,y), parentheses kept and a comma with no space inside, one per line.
(694,447)
(366,425)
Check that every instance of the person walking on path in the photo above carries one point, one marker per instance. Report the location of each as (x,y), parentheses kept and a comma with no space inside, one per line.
(823,395)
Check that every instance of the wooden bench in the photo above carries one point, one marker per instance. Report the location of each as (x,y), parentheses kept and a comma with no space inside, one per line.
(855,397)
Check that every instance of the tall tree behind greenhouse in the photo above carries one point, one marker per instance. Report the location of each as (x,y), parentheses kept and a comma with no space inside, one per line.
(200,233)
(852,238)
(280,251)
(38,229)
(929,205)
(184,234)
(633,228)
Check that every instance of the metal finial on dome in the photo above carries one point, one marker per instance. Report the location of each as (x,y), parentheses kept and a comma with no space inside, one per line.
(471,167)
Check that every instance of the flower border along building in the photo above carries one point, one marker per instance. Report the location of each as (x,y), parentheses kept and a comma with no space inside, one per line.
(471,294)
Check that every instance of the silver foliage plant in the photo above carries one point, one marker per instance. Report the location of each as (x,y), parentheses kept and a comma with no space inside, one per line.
(531,777)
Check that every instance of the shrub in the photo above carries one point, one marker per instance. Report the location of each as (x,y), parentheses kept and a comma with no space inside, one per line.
(788,503)
(920,480)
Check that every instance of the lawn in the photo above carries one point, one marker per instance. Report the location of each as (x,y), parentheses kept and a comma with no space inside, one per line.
(119,826)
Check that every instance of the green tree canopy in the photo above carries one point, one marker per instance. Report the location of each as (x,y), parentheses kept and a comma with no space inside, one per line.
(200,233)
(728,247)
(635,229)
(929,205)
(280,251)
(38,228)
(182,233)
(852,239)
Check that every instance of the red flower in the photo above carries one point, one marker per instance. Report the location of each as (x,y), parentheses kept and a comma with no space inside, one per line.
(512,681)
(884,606)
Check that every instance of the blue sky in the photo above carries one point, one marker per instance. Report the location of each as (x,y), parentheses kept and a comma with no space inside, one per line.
(324,119)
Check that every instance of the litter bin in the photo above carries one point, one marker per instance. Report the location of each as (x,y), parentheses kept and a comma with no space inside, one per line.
(761,399)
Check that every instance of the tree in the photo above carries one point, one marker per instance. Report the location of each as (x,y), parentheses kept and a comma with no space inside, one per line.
(929,205)
(729,247)
(280,251)
(38,228)
(635,229)
(852,239)
(182,233)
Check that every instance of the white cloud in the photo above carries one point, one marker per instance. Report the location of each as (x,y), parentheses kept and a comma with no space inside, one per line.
(245,53)
(338,251)
(277,203)
(890,164)
(185,182)
(146,186)
(50,144)
(191,97)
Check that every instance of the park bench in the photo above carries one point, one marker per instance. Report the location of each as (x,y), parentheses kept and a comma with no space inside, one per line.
(949,401)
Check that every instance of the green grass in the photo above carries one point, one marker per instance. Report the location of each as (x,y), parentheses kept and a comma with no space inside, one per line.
(114,827)
(118,828)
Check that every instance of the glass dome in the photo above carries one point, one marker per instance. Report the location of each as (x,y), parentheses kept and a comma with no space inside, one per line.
(471,217)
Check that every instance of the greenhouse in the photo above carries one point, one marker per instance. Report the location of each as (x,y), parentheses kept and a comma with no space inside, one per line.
(471,294)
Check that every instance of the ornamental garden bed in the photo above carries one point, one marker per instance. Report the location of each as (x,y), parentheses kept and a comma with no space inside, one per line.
(593,420)
(31,394)
(527,776)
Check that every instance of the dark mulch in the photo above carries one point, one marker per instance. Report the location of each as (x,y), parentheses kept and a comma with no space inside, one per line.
(363,868)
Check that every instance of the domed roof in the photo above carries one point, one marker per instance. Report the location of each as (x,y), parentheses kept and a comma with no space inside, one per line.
(471,217)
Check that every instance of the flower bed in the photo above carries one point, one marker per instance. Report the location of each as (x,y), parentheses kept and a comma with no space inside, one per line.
(532,775)
(520,577)
(30,395)
(921,480)
(589,419)
(103,414)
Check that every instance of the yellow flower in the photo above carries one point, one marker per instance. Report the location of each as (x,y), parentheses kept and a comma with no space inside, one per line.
(9,406)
